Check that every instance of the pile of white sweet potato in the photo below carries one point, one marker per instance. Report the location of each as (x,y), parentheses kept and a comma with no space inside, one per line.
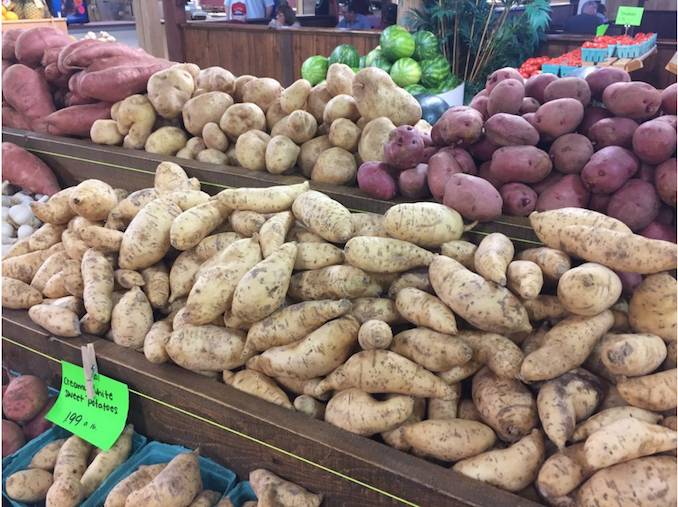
(375,323)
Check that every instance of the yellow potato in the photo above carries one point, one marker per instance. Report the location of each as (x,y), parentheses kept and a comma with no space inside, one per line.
(294,96)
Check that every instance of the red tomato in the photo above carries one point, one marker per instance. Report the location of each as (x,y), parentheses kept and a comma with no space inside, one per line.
(525,75)
(602,45)
(588,44)
(535,73)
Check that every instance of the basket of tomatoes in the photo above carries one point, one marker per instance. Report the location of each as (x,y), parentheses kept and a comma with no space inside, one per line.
(532,66)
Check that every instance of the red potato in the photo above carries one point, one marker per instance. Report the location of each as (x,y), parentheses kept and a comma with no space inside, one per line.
(636,203)
(569,192)
(483,149)
(668,97)
(568,87)
(31,45)
(473,197)
(413,183)
(487,174)
(9,43)
(441,167)
(404,147)
(630,282)
(463,158)
(570,153)
(646,173)
(524,164)
(505,129)
(535,86)
(459,126)
(635,100)
(666,215)
(609,169)
(480,104)
(38,425)
(26,170)
(550,180)
(429,151)
(558,117)
(529,105)
(376,179)
(592,115)
(604,77)
(24,399)
(506,97)
(613,132)
(528,117)
(654,142)
(28,93)
(599,202)
(656,230)
(77,120)
(665,180)
(118,83)
(500,75)
(13,119)
(519,199)
(12,438)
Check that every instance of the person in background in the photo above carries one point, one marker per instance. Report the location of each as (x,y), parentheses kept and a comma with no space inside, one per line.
(601,14)
(242,10)
(354,21)
(284,18)
(586,22)
(389,15)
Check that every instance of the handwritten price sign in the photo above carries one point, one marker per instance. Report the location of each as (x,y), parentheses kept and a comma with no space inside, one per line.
(100,420)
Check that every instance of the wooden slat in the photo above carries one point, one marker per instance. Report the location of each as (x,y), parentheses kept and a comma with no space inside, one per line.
(412,479)
(74,160)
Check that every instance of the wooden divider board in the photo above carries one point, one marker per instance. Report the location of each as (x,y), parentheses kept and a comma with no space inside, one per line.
(75,160)
(157,391)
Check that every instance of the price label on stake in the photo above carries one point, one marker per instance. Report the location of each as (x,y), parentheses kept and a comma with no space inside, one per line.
(629,16)
(100,420)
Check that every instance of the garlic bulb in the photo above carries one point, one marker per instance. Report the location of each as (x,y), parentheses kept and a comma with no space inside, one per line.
(21,214)
(5,212)
(24,231)
(7,231)
(7,201)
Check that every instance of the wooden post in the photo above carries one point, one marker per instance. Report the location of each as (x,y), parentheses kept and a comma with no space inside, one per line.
(175,14)
(404,6)
(150,33)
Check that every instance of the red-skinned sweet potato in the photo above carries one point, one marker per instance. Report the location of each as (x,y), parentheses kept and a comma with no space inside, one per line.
(609,169)
(28,93)
(612,132)
(84,55)
(655,230)
(592,114)
(535,86)
(519,199)
(568,87)
(117,83)
(13,119)
(665,181)
(376,179)
(654,142)
(12,438)
(51,55)
(570,153)
(505,129)
(603,77)
(38,425)
(524,164)
(78,120)
(24,399)
(31,45)
(413,183)
(441,167)
(70,49)
(635,100)
(9,43)
(122,61)
(25,170)
(569,192)
(636,203)
(668,99)
(56,78)
(473,197)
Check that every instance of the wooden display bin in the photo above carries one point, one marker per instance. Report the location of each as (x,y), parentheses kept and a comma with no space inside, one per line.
(75,160)
(27,24)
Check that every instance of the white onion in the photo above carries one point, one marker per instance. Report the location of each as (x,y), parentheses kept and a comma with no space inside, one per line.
(21,214)
(44,198)
(7,200)
(7,230)
(24,231)
(21,198)
(9,241)
(5,213)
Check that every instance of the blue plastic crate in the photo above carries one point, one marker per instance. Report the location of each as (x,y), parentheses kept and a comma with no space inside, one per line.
(633,51)
(241,493)
(550,69)
(593,54)
(214,477)
(611,50)
(23,457)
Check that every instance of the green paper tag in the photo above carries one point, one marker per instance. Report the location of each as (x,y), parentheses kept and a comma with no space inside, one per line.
(600,30)
(629,16)
(100,420)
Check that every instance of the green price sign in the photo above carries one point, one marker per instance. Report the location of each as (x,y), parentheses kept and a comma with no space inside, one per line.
(630,16)
(100,420)
(601,30)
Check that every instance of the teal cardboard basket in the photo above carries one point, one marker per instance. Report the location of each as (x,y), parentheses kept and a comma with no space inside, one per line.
(594,54)
(633,51)
(214,477)
(241,493)
(550,69)
(23,457)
